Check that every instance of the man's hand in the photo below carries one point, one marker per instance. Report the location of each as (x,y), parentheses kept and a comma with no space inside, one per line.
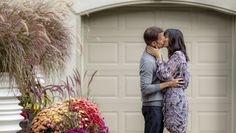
(178,82)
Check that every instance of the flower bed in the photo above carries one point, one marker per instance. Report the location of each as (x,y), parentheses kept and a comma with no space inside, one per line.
(76,115)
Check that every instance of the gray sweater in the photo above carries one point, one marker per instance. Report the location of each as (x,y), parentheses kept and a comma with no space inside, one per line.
(149,82)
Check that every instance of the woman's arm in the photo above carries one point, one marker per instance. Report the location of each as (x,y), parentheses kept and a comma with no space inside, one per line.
(166,71)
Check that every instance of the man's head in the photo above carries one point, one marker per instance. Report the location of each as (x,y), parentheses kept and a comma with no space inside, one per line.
(154,36)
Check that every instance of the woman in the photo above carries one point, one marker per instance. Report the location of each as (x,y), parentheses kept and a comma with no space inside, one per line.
(175,107)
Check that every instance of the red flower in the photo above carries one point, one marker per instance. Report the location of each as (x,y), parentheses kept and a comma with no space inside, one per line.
(24,114)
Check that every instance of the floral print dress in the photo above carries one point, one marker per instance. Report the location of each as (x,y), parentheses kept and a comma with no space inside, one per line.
(175,106)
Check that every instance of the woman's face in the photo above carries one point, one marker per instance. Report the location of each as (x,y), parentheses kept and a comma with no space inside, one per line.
(166,44)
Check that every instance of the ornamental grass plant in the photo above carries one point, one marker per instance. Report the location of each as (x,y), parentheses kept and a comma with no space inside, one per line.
(32,35)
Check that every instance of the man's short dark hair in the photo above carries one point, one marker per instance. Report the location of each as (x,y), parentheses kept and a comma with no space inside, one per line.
(151,34)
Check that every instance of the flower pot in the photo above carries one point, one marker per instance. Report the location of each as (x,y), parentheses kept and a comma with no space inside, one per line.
(9,109)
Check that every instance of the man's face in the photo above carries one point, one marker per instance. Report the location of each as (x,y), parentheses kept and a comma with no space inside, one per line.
(161,40)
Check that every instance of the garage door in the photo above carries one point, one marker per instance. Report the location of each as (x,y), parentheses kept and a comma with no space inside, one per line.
(113,45)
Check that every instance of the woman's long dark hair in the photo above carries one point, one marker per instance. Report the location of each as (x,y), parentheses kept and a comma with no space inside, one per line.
(176,42)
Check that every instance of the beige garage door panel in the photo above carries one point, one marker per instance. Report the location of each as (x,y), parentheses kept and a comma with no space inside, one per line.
(114,45)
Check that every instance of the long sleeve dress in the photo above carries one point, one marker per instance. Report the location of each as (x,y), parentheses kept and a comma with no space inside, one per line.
(175,106)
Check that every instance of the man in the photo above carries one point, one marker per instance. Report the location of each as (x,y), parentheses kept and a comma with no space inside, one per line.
(150,84)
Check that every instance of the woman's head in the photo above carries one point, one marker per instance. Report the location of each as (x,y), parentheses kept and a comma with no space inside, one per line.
(175,42)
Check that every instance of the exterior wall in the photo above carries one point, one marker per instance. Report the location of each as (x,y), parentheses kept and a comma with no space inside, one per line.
(86,6)
(82,7)
(72,61)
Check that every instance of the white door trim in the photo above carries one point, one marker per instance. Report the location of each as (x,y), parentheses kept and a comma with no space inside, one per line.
(84,7)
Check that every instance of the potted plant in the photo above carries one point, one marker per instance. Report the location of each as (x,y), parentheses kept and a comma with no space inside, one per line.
(76,114)
(32,35)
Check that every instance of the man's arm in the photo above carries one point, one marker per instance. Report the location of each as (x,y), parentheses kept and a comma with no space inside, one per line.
(146,75)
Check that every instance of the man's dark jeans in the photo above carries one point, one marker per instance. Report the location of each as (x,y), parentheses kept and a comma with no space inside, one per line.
(153,119)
